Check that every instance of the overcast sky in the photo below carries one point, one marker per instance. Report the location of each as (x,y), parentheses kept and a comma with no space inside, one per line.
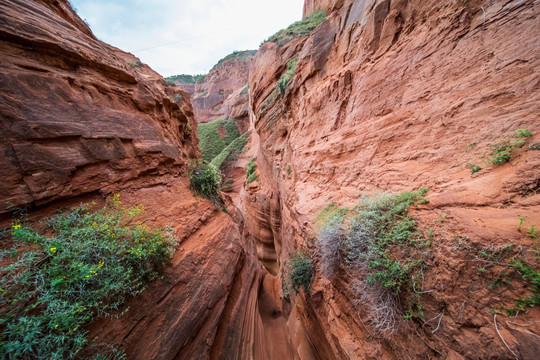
(186,36)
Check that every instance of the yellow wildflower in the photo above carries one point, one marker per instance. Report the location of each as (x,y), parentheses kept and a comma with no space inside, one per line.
(53,250)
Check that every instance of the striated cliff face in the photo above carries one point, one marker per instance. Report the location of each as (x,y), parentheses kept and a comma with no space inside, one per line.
(78,115)
(223,92)
(80,120)
(392,96)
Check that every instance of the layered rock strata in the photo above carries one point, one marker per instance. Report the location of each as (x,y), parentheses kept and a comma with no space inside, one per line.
(392,96)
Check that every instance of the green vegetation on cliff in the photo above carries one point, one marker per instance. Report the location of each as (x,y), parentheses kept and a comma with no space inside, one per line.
(236,56)
(185,78)
(299,28)
(211,141)
(83,265)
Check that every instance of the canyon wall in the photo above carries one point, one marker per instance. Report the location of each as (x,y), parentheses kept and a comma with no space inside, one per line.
(78,115)
(81,120)
(394,95)
(223,92)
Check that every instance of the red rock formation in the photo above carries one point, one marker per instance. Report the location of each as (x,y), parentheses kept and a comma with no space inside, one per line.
(398,95)
(311,6)
(79,115)
(81,119)
(223,93)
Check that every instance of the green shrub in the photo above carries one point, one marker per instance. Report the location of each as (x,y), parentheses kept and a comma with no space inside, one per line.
(251,175)
(205,180)
(298,273)
(284,79)
(87,266)
(236,56)
(299,28)
(523,133)
(185,78)
(367,239)
(503,151)
(210,140)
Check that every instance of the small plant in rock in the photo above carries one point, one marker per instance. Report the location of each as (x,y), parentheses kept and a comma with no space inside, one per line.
(503,151)
(474,168)
(205,180)
(251,175)
(284,79)
(298,273)
(87,266)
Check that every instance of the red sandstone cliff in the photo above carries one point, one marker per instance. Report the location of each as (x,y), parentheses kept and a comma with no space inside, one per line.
(398,95)
(78,115)
(81,119)
(223,92)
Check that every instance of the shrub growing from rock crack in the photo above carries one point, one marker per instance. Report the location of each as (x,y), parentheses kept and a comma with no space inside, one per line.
(365,240)
(205,180)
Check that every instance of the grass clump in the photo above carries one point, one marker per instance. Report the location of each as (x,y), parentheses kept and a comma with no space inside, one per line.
(251,175)
(205,180)
(210,140)
(230,152)
(90,263)
(503,151)
(298,272)
(380,244)
(284,79)
(299,28)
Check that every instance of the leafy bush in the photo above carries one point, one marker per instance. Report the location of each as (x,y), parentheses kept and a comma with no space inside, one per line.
(284,79)
(251,175)
(503,151)
(298,273)
(205,180)
(93,262)
(366,239)
(299,28)
(210,140)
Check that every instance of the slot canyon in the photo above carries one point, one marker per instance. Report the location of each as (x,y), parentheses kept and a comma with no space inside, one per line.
(393,151)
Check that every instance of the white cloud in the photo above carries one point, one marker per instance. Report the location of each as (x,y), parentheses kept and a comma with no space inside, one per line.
(186,36)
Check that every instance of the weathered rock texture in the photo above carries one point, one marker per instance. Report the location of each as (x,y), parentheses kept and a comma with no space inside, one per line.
(398,95)
(81,119)
(79,115)
(311,6)
(223,93)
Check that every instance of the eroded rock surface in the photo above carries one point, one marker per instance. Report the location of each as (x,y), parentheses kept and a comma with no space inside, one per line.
(392,96)
(79,115)
(223,93)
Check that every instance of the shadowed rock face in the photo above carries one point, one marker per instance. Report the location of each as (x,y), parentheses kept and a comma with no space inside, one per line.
(398,95)
(79,115)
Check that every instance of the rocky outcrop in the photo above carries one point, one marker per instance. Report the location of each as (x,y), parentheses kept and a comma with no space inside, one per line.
(223,92)
(311,6)
(78,115)
(398,95)
(81,119)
